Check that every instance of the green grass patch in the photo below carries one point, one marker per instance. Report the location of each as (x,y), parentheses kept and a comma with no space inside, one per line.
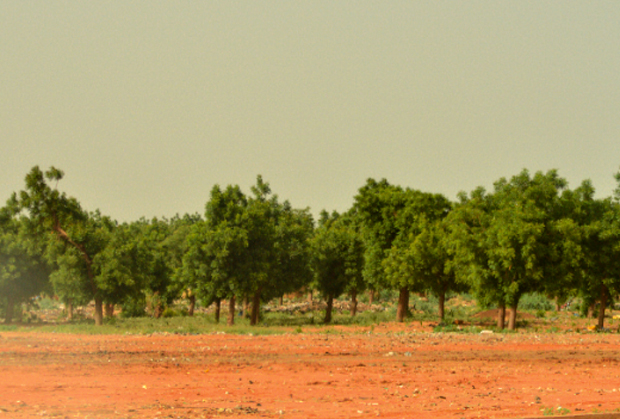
(146,325)
(452,328)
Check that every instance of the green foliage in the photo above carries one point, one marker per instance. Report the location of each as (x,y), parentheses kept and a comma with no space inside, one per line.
(337,257)
(550,411)
(134,306)
(536,301)
(24,272)
(505,243)
(247,247)
(530,237)
(376,206)
(405,240)
(148,325)
(74,230)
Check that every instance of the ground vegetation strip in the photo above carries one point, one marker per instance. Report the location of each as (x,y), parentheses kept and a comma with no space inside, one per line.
(334,372)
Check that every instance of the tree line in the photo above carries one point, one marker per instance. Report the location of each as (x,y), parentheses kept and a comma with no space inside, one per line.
(531,233)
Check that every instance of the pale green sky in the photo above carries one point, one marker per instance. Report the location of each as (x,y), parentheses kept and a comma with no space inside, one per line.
(147,104)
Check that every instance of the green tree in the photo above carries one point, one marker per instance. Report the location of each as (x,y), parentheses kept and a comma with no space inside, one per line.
(425,263)
(392,218)
(377,207)
(505,240)
(24,272)
(160,288)
(412,263)
(337,259)
(213,264)
(291,270)
(121,269)
(277,252)
(224,243)
(70,277)
(176,245)
(253,247)
(55,212)
(597,278)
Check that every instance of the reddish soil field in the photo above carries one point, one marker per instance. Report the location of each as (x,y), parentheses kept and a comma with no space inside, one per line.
(388,372)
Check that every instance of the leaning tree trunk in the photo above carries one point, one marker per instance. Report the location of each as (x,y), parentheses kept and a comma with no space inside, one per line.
(218,307)
(89,268)
(10,311)
(192,305)
(512,317)
(402,310)
(231,311)
(328,309)
(98,311)
(501,316)
(353,303)
(109,310)
(371,297)
(255,308)
(601,311)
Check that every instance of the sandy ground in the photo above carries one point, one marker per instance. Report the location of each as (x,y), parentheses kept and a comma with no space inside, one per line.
(388,371)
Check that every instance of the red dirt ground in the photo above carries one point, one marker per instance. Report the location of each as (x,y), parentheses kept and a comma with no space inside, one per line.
(388,371)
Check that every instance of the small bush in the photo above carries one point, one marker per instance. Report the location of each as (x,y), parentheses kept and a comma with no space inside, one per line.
(133,307)
(169,312)
(535,301)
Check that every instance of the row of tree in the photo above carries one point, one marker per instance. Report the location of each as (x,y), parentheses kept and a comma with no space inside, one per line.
(530,234)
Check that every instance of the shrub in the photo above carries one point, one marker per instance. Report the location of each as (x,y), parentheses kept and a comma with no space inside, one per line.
(535,301)
(133,307)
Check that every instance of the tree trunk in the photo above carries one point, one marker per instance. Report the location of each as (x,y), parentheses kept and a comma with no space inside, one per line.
(512,317)
(109,310)
(69,310)
(328,309)
(218,307)
(192,305)
(10,310)
(601,311)
(591,307)
(159,310)
(371,297)
(402,310)
(442,304)
(281,300)
(310,296)
(501,316)
(98,311)
(255,309)
(157,305)
(353,303)
(231,311)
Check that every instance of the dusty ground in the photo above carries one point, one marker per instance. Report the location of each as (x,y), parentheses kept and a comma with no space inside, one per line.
(388,371)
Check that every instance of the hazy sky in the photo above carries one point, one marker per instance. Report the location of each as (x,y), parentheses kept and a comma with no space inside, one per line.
(147,104)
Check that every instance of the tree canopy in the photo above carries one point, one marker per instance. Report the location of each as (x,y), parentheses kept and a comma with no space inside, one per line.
(531,233)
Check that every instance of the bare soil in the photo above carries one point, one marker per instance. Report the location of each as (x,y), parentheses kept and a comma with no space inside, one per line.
(389,371)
